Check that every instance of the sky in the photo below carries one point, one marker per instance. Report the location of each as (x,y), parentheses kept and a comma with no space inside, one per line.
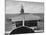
(13,7)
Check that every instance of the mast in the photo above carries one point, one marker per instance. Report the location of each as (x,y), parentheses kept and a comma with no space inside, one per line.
(22,10)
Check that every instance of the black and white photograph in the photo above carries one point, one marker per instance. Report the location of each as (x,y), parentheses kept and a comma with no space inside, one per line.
(22,17)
